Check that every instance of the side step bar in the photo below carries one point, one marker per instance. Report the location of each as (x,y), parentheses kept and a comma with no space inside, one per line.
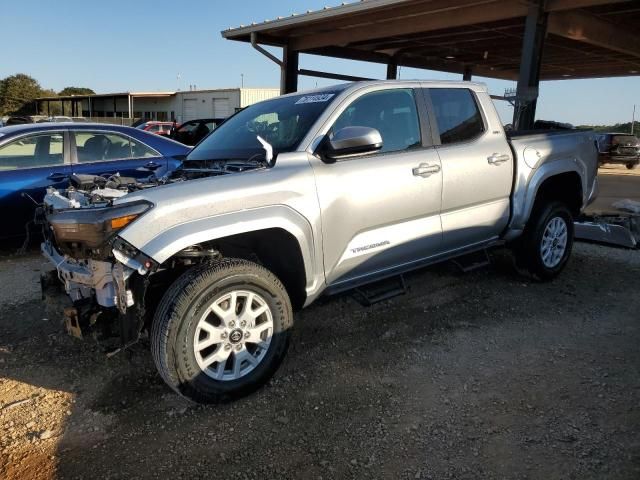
(472,261)
(379,291)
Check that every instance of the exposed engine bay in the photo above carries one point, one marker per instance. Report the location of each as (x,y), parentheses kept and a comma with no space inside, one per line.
(100,191)
(105,277)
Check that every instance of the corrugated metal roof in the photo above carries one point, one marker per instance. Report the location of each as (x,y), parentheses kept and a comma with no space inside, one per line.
(310,15)
(585,38)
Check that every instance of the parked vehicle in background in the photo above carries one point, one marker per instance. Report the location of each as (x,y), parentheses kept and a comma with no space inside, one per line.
(159,128)
(621,148)
(22,119)
(57,119)
(36,156)
(306,194)
(193,131)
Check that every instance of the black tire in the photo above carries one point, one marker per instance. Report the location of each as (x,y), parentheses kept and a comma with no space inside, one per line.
(631,166)
(175,326)
(528,250)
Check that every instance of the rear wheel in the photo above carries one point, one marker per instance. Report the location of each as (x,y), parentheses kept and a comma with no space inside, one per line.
(631,166)
(221,330)
(546,244)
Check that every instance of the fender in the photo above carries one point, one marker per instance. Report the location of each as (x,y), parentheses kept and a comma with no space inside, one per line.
(525,195)
(170,241)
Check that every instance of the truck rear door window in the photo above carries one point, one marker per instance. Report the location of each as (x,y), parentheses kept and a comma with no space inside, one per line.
(457,114)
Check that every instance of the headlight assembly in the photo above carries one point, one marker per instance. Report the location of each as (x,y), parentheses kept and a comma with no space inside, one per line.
(93,227)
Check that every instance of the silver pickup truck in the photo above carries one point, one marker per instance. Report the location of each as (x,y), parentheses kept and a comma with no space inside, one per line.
(303,195)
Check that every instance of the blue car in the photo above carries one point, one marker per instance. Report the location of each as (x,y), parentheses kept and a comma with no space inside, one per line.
(36,156)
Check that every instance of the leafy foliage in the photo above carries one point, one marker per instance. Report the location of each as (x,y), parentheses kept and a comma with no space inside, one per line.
(617,128)
(75,91)
(17,93)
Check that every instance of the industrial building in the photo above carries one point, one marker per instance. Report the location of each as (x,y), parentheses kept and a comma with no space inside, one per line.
(126,107)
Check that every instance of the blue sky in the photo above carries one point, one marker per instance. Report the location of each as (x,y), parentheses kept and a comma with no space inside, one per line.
(140,45)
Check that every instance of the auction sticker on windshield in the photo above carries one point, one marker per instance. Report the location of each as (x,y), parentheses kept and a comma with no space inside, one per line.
(315,98)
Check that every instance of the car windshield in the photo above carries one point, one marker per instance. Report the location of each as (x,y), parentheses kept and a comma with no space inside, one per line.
(283,122)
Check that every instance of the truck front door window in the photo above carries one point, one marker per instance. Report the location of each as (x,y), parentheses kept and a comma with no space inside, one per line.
(392,112)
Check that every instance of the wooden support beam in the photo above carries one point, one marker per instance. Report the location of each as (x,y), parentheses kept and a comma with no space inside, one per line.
(586,28)
(415,60)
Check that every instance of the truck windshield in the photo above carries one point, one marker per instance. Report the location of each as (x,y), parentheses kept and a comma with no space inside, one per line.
(283,122)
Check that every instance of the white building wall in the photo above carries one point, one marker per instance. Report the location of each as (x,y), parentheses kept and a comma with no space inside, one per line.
(207,104)
(249,96)
(184,105)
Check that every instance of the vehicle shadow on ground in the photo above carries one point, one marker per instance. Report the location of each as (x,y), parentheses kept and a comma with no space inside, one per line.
(358,392)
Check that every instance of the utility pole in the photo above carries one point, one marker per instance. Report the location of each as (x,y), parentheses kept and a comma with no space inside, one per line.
(242,80)
(633,119)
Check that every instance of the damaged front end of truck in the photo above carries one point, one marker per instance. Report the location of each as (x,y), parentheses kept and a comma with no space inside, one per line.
(108,282)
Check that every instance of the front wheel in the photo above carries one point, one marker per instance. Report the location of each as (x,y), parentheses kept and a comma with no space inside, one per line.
(221,330)
(631,166)
(547,241)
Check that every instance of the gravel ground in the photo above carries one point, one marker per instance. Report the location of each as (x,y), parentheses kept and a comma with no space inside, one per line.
(481,376)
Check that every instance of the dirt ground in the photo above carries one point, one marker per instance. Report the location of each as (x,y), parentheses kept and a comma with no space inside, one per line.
(483,375)
(616,183)
(477,375)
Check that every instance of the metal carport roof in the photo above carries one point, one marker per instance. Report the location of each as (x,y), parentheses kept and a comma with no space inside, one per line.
(524,40)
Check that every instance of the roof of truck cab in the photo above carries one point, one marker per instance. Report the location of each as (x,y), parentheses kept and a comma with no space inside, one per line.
(351,86)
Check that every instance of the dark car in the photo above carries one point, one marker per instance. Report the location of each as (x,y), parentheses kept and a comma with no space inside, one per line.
(23,119)
(36,156)
(159,128)
(193,131)
(621,148)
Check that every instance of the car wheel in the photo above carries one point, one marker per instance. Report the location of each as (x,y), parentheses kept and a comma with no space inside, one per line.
(221,330)
(546,244)
(631,166)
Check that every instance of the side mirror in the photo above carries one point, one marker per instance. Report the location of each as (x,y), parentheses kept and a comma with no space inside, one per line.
(350,141)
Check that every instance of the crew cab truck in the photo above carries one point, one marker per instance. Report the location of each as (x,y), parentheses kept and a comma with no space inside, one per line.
(303,195)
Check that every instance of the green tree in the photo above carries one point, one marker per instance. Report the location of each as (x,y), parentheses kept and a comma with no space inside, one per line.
(75,91)
(617,128)
(17,94)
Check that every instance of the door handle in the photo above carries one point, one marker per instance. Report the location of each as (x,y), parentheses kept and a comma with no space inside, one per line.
(57,177)
(498,158)
(424,170)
